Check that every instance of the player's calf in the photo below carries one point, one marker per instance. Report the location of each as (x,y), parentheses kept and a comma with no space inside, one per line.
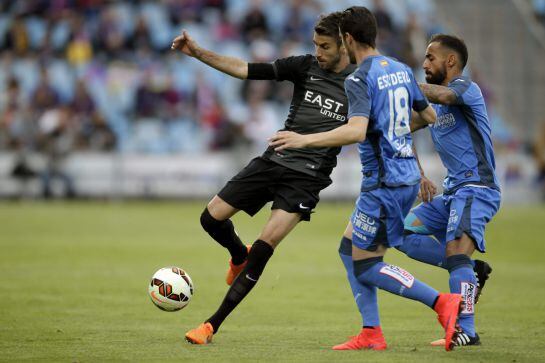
(224,233)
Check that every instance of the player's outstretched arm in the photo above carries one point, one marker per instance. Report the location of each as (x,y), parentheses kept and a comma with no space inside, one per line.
(230,65)
(349,133)
(438,94)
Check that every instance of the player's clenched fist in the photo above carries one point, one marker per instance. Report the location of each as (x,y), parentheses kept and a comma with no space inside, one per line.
(185,44)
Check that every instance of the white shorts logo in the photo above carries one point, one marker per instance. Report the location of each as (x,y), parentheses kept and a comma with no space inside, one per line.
(398,274)
(468,292)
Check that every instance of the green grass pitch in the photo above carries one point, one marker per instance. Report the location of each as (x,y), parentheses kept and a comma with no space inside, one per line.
(74,288)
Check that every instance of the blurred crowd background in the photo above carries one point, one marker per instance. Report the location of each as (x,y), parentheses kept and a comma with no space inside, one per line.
(81,76)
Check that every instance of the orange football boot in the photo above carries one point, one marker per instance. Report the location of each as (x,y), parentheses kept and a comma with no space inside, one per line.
(366,339)
(235,270)
(200,335)
(448,309)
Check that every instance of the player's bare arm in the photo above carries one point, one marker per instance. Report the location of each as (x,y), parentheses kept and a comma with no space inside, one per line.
(421,119)
(427,188)
(230,65)
(349,133)
(438,94)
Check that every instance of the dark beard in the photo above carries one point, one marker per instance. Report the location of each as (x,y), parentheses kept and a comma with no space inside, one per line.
(436,78)
(331,65)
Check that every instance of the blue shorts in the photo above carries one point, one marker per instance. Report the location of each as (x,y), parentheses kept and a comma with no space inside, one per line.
(468,211)
(379,216)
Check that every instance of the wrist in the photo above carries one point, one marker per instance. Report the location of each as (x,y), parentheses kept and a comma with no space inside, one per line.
(308,140)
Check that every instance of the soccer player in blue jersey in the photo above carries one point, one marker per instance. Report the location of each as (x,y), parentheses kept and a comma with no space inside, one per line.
(381,94)
(447,230)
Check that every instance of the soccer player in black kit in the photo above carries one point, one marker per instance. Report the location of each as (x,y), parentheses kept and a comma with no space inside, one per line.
(291,179)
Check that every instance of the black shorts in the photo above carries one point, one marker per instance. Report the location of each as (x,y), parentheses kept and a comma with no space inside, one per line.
(262,181)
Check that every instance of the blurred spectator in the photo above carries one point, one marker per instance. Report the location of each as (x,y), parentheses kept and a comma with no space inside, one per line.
(57,140)
(96,134)
(110,39)
(16,131)
(44,96)
(261,120)
(79,50)
(384,20)
(539,10)
(141,36)
(17,38)
(224,29)
(539,156)
(147,98)
(254,25)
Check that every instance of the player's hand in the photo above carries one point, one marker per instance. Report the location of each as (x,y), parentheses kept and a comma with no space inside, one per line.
(287,139)
(427,190)
(185,44)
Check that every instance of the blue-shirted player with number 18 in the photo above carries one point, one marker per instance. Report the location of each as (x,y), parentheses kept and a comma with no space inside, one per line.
(382,93)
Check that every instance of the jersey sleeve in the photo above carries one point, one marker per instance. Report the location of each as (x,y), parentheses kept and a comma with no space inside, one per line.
(292,68)
(261,71)
(460,87)
(359,100)
(419,100)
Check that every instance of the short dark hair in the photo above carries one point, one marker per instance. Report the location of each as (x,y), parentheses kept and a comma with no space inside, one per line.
(328,25)
(453,43)
(360,22)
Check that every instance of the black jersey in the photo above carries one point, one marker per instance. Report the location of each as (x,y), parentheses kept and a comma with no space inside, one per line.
(319,104)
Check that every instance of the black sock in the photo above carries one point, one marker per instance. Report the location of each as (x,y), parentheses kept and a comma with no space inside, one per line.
(257,259)
(224,233)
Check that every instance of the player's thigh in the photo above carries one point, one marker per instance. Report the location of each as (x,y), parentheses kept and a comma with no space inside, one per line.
(299,193)
(251,188)
(279,225)
(378,219)
(429,218)
(471,209)
(358,253)
(367,223)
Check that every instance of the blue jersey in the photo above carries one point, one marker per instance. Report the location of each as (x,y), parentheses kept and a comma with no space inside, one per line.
(385,91)
(461,136)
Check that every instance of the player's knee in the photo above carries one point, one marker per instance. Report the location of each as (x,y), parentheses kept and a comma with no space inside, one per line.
(259,255)
(208,222)
(413,225)
(457,261)
(362,266)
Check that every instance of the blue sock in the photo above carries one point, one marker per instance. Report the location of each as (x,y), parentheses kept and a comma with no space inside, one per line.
(425,248)
(364,295)
(393,279)
(462,281)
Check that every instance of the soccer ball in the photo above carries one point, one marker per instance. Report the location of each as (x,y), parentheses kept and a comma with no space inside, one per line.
(170,289)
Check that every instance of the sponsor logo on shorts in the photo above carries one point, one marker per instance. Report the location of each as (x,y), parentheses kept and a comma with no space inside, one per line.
(365,223)
(399,274)
(452,220)
(301,206)
(468,292)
